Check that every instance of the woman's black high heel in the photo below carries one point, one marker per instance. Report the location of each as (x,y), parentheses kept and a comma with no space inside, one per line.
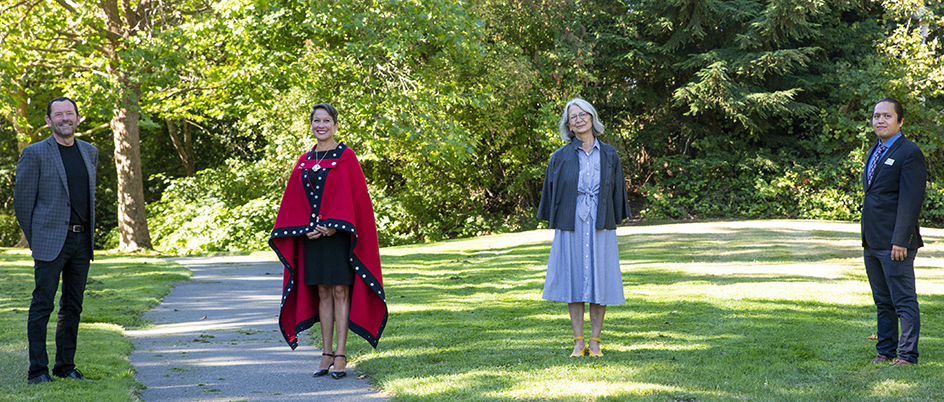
(337,375)
(324,372)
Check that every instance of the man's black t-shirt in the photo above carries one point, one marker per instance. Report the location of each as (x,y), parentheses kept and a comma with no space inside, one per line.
(78,179)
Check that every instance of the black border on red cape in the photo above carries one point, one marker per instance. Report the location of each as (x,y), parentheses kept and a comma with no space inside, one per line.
(367,280)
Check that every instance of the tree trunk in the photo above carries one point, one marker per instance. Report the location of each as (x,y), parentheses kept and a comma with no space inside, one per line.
(24,136)
(184,146)
(132,214)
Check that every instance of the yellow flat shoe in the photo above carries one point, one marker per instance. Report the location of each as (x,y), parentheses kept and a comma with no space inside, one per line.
(590,352)
(581,353)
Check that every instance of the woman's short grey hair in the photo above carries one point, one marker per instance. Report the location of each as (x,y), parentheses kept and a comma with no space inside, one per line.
(565,132)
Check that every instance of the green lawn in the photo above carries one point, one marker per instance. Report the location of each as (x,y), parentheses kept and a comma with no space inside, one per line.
(730,311)
(120,289)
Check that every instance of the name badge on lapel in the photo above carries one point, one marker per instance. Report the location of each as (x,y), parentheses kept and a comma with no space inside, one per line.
(889,161)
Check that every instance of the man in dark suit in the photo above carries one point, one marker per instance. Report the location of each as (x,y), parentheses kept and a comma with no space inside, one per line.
(54,201)
(894,182)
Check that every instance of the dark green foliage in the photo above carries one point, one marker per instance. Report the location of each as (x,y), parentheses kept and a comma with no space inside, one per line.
(702,77)
(740,108)
(9,229)
(106,191)
(754,185)
(227,208)
(756,109)
(932,212)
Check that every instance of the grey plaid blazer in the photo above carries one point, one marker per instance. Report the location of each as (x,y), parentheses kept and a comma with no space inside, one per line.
(41,196)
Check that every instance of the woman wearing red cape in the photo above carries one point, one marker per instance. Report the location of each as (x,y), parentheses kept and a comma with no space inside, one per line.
(326,237)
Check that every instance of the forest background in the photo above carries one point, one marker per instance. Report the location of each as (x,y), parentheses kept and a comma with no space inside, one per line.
(719,109)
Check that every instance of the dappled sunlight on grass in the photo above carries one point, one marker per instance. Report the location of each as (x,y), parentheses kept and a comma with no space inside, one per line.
(119,289)
(768,310)
(584,388)
(510,240)
(892,388)
(663,341)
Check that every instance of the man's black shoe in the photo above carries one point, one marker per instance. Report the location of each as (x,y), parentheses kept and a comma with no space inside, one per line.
(73,374)
(44,377)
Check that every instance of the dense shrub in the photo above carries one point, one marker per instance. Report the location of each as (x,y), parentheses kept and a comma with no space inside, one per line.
(762,185)
(234,208)
(231,208)
(9,154)
(766,186)
(9,230)
(932,213)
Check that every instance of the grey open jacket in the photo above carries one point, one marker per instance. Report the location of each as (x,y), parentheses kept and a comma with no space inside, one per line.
(559,194)
(41,196)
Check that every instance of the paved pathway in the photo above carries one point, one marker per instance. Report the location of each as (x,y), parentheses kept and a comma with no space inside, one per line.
(216,338)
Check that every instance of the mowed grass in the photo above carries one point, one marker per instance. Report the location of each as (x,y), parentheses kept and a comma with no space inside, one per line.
(728,311)
(119,290)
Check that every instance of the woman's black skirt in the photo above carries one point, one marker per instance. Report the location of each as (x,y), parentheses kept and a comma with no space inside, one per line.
(327,261)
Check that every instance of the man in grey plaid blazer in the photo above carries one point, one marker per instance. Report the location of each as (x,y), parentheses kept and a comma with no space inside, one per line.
(54,202)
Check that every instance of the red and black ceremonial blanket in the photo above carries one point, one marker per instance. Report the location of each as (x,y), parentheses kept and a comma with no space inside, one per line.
(335,195)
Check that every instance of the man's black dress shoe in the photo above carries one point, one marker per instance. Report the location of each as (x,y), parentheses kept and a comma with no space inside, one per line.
(73,374)
(44,377)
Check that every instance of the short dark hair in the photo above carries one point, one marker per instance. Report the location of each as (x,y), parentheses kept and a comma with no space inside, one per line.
(61,99)
(899,110)
(328,108)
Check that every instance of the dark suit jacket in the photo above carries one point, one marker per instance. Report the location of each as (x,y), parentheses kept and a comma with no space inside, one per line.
(559,194)
(41,196)
(892,203)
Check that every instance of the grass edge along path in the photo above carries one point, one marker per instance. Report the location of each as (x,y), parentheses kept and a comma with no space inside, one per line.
(758,310)
(120,289)
(716,311)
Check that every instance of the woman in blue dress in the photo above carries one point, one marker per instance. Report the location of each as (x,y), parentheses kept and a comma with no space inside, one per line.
(583,199)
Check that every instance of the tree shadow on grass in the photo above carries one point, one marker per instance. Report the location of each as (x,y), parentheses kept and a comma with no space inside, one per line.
(800,350)
(474,328)
(119,290)
(740,245)
(109,368)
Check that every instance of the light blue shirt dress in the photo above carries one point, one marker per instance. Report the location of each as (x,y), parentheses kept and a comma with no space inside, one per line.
(584,264)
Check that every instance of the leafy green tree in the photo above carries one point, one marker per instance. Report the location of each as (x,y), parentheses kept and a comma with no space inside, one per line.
(33,62)
(398,72)
(721,99)
(137,62)
(447,111)
(538,58)
(703,76)
(96,44)
(23,79)
(223,64)
(908,64)
(453,105)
